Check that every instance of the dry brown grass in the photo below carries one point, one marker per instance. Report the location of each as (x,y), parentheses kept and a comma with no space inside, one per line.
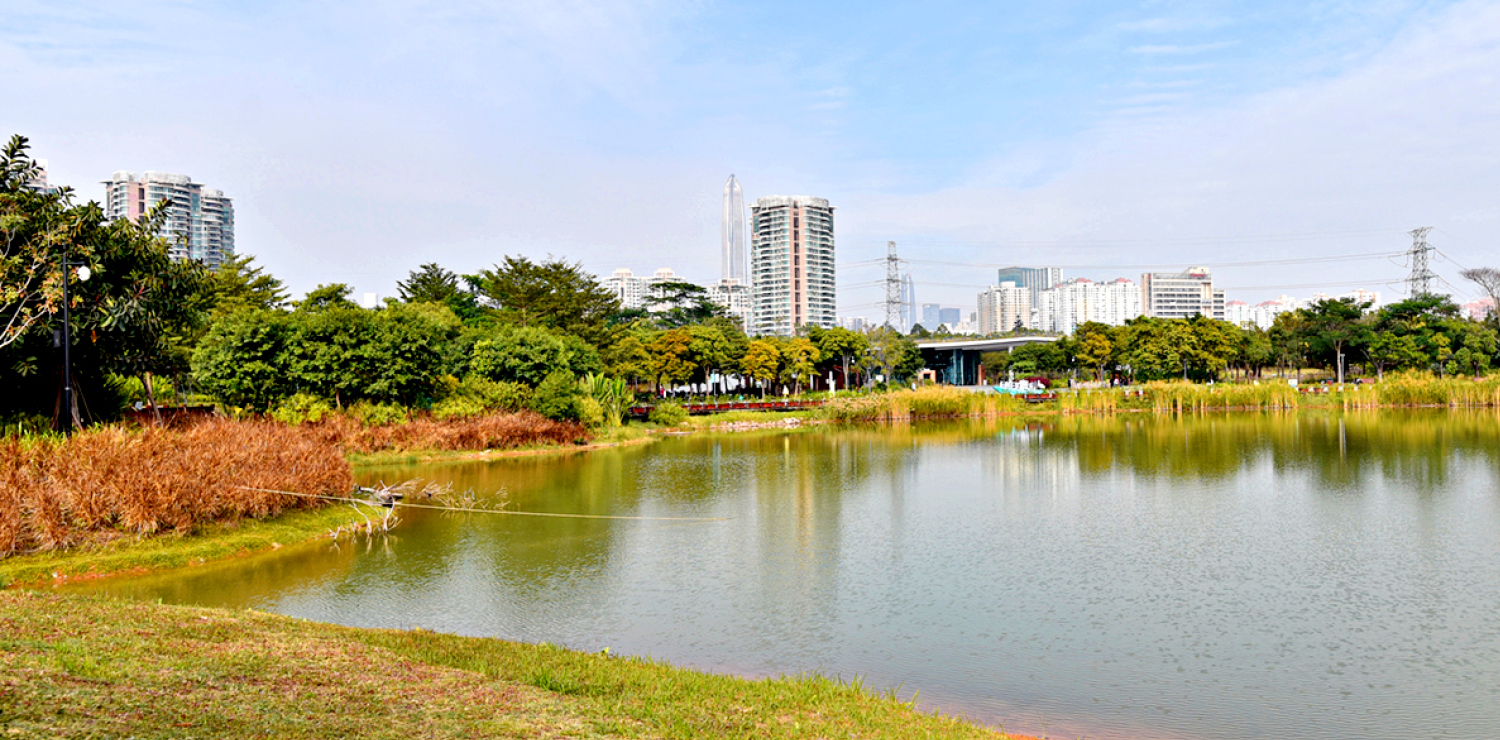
(502,431)
(106,482)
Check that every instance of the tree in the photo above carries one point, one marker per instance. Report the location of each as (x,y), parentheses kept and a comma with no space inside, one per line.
(838,343)
(528,354)
(1392,350)
(762,362)
(34,229)
(680,303)
(430,283)
(1487,278)
(324,297)
(895,356)
(708,351)
(554,294)
(237,285)
(627,358)
(243,360)
(1094,347)
(671,357)
(799,361)
(1332,325)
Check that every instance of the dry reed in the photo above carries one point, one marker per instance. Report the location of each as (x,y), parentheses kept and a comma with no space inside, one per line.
(103,483)
(500,431)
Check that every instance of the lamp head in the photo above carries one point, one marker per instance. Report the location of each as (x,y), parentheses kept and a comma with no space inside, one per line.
(84,273)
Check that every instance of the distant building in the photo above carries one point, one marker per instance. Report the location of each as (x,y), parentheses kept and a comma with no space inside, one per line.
(1003,308)
(908,304)
(950,316)
(200,221)
(1181,295)
(39,183)
(732,229)
(1034,279)
(628,289)
(734,297)
(791,264)
(1066,305)
(855,323)
(1480,309)
(932,315)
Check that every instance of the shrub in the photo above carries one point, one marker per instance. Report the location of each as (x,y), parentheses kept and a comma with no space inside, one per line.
(555,396)
(590,413)
(668,413)
(457,407)
(497,395)
(301,407)
(378,414)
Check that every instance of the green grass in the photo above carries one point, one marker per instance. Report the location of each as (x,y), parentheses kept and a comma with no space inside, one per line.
(757,417)
(77,667)
(206,543)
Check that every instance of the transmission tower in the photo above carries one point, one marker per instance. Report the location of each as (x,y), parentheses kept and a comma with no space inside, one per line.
(892,287)
(1420,281)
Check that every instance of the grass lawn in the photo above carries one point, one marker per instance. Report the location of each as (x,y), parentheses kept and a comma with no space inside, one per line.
(76,667)
(207,543)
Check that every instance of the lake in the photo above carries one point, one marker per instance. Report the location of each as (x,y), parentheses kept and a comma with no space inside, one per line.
(1219,576)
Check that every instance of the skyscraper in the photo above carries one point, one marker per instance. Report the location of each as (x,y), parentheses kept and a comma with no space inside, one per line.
(733,229)
(791,264)
(908,304)
(200,221)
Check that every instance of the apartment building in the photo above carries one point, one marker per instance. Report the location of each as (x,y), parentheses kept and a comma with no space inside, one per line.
(791,264)
(1181,295)
(200,220)
(1004,307)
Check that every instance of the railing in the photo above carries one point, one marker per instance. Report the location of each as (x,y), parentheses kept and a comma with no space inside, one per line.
(697,409)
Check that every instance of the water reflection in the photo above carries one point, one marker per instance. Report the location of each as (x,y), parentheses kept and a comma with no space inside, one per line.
(1215,576)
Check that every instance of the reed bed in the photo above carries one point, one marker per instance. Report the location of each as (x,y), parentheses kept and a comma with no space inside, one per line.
(928,402)
(499,431)
(106,483)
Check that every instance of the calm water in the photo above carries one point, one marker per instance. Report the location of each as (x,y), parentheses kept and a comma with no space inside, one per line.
(1221,577)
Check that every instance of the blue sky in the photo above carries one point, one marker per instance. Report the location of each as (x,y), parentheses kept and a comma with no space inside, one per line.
(362,139)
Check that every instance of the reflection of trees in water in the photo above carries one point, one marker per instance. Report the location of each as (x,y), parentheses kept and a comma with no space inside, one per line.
(1342,450)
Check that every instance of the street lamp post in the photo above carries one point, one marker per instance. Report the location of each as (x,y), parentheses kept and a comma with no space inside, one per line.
(67,342)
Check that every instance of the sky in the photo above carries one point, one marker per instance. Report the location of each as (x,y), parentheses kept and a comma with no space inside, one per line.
(360,140)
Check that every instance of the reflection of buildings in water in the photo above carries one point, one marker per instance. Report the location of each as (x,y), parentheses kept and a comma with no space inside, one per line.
(1024,463)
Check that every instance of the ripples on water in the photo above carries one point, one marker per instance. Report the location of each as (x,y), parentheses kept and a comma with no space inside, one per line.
(1213,577)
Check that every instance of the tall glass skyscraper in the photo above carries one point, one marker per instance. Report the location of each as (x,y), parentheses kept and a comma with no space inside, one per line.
(734,232)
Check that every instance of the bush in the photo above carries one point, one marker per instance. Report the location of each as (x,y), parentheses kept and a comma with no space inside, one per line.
(378,414)
(555,396)
(301,407)
(590,413)
(457,407)
(497,395)
(669,414)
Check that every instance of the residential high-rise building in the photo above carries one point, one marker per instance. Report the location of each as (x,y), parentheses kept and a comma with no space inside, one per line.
(1034,279)
(791,264)
(200,221)
(733,232)
(1072,302)
(734,297)
(629,289)
(1004,307)
(1181,295)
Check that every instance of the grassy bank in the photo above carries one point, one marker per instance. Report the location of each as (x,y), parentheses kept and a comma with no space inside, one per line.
(207,543)
(90,667)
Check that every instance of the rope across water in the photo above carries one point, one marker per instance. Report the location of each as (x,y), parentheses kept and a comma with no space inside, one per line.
(352,500)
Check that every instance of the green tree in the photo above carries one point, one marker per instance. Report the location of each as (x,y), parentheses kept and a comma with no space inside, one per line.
(628,358)
(244,359)
(838,345)
(431,283)
(1388,349)
(555,294)
(528,354)
(762,362)
(708,351)
(324,297)
(799,361)
(680,303)
(671,357)
(1333,325)
(1095,349)
(239,285)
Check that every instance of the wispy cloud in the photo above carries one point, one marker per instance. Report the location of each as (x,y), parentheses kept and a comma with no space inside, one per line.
(1158,49)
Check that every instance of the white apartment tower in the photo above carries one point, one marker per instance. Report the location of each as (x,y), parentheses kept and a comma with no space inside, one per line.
(200,221)
(1004,307)
(1181,295)
(733,232)
(791,264)
(1066,305)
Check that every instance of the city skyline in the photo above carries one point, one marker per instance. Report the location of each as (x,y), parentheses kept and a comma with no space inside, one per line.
(1095,137)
